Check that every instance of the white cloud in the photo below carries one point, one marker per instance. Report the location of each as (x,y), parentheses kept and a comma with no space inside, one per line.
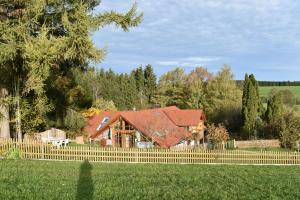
(189,61)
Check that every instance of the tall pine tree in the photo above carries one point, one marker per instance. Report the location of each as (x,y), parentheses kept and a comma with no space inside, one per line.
(140,86)
(251,106)
(150,83)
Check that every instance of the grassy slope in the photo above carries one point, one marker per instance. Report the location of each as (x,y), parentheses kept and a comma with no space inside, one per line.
(58,180)
(264,91)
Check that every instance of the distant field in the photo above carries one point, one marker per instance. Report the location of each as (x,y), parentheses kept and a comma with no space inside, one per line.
(265,90)
(76,180)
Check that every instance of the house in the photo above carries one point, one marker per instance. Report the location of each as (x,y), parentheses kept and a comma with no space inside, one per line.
(163,127)
(50,135)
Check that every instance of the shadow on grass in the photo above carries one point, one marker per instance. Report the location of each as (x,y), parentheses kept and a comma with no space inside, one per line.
(85,186)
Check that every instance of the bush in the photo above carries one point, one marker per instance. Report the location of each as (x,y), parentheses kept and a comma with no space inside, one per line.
(13,154)
(217,134)
(288,97)
(289,130)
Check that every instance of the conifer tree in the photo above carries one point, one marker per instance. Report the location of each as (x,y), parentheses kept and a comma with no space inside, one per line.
(40,39)
(140,86)
(150,83)
(275,107)
(251,105)
(245,92)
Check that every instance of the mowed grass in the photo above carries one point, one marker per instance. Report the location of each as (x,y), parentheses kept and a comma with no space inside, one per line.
(83,180)
(265,90)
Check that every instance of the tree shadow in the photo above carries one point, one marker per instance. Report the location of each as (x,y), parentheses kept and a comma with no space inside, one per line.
(85,186)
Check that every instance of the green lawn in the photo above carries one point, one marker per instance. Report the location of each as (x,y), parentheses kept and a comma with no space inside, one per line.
(265,90)
(76,180)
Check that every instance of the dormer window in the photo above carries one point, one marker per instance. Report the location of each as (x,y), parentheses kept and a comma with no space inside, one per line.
(104,121)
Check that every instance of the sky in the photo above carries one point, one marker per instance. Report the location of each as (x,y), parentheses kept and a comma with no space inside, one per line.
(252,36)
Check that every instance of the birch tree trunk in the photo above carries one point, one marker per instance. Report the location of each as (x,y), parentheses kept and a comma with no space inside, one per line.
(4,117)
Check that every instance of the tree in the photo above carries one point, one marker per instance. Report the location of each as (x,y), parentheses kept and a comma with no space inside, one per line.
(288,97)
(251,105)
(275,107)
(150,83)
(196,85)
(104,105)
(42,40)
(289,130)
(4,115)
(140,86)
(129,92)
(223,99)
(255,85)
(171,88)
(90,80)
(245,94)
(74,121)
(217,134)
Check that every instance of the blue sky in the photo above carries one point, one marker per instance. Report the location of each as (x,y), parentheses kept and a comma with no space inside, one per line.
(252,36)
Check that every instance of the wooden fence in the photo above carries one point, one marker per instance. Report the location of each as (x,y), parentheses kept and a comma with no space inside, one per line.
(36,150)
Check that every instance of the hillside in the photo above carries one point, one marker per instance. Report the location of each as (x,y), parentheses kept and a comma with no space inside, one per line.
(265,90)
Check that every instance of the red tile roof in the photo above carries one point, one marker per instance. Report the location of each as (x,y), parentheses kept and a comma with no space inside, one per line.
(94,122)
(157,126)
(185,117)
(162,125)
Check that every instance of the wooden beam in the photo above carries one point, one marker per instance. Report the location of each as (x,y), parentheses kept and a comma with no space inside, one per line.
(123,140)
(113,135)
(125,131)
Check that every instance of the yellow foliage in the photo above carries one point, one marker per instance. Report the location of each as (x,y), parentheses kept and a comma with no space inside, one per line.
(91,112)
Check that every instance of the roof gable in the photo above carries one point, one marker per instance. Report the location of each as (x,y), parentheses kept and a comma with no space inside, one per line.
(156,125)
(185,117)
(94,122)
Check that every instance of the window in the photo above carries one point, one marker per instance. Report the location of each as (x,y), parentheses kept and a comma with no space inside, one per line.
(109,134)
(104,121)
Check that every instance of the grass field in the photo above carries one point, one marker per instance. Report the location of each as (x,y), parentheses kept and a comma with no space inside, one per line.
(75,180)
(264,91)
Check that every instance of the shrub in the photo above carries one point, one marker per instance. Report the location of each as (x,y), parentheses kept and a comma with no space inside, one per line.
(217,134)
(289,130)
(13,154)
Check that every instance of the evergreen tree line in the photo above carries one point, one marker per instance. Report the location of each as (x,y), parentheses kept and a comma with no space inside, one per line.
(274,83)
(127,91)
(279,83)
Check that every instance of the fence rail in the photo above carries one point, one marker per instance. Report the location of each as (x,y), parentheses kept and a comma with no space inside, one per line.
(36,150)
